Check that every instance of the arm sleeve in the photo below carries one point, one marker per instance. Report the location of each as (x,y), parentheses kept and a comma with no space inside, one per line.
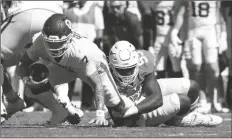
(93,79)
(99,21)
(154,96)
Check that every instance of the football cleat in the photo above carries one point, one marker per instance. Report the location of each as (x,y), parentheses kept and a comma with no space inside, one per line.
(196,119)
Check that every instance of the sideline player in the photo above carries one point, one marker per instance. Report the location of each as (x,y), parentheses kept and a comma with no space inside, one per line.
(163,14)
(70,56)
(24,20)
(205,29)
(151,102)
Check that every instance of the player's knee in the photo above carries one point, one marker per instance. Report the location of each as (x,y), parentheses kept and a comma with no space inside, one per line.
(213,69)
(193,92)
(194,67)
(185,104)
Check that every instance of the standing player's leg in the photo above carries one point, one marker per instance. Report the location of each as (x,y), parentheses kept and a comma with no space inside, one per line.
(160,53)
(193,55)
(176,67)
(229,86)
(210,50)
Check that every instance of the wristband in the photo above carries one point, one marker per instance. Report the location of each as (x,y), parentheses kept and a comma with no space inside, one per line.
(100,113)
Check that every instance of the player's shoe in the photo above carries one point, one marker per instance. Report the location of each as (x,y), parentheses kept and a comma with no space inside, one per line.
(204,108)
(218,108)
(196,119)
(14,106)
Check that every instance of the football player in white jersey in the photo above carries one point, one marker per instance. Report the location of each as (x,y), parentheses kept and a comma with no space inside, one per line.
(205,29)
(163,14)
(24,20)
(152,102)
(70,56)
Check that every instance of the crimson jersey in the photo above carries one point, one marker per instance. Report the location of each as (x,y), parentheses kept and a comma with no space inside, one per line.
(134,90)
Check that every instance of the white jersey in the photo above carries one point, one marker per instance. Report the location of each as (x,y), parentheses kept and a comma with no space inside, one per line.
(203,13)
(164,14)
(20,6)
(80,53)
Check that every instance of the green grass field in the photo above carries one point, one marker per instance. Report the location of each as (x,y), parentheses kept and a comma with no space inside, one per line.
(30,125)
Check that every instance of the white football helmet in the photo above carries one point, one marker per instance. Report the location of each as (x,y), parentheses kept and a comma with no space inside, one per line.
(123,60)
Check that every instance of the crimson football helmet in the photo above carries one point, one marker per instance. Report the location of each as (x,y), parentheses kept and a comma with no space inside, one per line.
(56,32)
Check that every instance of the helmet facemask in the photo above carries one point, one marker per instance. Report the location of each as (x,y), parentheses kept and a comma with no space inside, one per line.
(56,33)
(57,49)
(125,76)
(123,60)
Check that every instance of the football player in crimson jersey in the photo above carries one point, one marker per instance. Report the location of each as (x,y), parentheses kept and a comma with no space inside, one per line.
(70,56)
(206,35)
(24,20)
(151,102)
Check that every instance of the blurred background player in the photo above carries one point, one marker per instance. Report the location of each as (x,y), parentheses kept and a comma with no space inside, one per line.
(122,22)
(227,5)
(162,14)
(151,102)
(204,31)
(24,20)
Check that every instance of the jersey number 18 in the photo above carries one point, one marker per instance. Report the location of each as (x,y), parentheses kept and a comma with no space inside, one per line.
(203,9)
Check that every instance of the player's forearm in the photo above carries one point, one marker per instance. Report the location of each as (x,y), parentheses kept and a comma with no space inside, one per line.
(99,97)
(179,19)
(95,82)
(149,104)
(154,95)
(62,94)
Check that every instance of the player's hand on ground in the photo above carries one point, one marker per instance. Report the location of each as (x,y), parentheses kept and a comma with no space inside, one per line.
(100,119)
